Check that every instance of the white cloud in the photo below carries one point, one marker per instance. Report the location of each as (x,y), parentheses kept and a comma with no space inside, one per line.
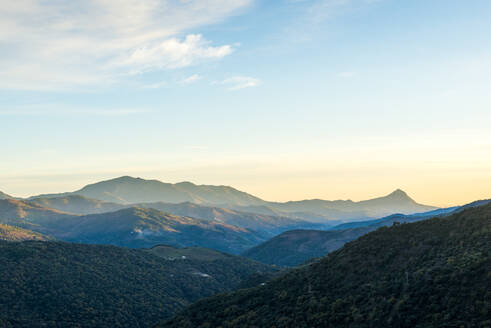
(240,82)
(45,44)
(191,79)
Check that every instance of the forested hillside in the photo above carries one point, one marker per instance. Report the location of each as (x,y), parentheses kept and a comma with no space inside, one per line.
(52,284)
(434,273)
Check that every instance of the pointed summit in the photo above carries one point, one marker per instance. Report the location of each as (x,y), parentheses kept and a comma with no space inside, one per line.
(398,193)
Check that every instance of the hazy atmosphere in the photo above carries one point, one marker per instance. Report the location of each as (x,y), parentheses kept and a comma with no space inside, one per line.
(287,99)
(245,163)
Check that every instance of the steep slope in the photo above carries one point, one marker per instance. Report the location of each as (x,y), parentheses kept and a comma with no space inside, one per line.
(143,227)
(271,225)
(433,273)
(5,196)
(77,204)
(295,247)
(11,233)
(48,284)
(30,216)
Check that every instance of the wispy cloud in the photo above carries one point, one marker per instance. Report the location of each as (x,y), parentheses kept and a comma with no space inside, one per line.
(48,44)
(66,110)
(191,79)
(240,82)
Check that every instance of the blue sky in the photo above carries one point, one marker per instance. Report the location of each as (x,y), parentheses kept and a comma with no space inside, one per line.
(285,99)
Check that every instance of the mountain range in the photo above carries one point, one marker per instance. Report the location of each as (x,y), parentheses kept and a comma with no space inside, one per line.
(431,273)
(130,227)
(295,247)
(259,222)
(128,190)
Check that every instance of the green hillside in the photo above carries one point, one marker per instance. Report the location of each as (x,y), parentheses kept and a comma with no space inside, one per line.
(77,204)
(51,284)
(11,233)
(143,227)
(434,273)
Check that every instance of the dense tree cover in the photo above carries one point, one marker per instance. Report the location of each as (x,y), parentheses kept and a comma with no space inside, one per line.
(434,273)
(295,247)
(53,284)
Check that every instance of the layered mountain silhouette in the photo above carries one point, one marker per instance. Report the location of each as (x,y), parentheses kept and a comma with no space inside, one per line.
(432,273)
(295,247)
(268,224)
(144,227)
(127,190)
(77,204)
(130,227)
(30,216)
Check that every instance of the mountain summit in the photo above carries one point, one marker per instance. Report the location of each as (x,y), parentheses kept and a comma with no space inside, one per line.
(127,190)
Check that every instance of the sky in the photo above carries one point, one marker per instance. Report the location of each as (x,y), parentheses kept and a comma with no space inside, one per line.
(284,99)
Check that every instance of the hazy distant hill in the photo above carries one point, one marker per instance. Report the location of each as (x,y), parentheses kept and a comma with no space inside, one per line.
(128,190)
(259,222)
(144,227)
(432,273)
(4,196)
(48,284)
(396,202)
(77,204)
(271,225)
(130,227)
(30,216)
(11,233)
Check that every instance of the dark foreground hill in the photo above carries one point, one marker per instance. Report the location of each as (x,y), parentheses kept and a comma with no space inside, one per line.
(51,284)
(434,273)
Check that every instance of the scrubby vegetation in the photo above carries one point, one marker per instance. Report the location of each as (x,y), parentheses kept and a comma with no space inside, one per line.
(434,273)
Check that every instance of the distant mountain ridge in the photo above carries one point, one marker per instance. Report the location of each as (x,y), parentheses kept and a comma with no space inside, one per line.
(4,196)
(128,190)
(295,247)
(432,273)
(268,224)
(130,227)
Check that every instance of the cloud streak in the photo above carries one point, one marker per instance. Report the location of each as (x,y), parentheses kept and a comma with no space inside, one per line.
(66,43)
(241,82)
